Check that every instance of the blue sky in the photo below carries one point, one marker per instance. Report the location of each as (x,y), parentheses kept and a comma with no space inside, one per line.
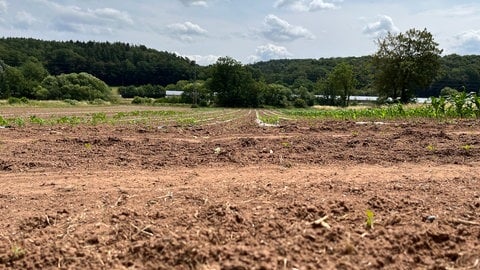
(247,30)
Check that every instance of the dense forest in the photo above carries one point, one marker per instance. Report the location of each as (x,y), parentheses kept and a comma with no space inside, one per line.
(114,63)
(30,61)
(456,72)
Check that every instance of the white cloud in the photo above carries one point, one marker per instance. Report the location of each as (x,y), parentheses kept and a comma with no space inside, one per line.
(278,30)
(185,31)
(269,51)
(194,3)
(87,21)
(203,60)
(468,42)
(455,11)
(112,15)
(381,27)
(24,20)
(3,6)
(306,5)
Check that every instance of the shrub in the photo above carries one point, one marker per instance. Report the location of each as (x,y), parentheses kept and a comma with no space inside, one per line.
(300,103)
(448,91)
(71,101)
(141,100)
(151,91)
(14,100)
(79,86)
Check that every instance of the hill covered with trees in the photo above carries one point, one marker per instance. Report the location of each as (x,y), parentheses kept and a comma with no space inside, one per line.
(29,66)
(455,71)
(114,63)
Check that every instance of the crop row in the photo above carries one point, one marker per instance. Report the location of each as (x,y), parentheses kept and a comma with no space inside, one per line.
(456,106)
(164,117)
(461,105)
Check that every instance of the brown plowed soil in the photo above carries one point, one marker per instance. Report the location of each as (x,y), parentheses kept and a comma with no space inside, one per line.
(233,195)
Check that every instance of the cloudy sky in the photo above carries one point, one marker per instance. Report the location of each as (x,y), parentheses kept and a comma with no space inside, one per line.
(247,30)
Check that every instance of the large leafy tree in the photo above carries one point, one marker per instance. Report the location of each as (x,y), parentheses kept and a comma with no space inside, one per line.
(342,80)
(276,95)
(79,86)
(233,84)
(405,62)
(12,83)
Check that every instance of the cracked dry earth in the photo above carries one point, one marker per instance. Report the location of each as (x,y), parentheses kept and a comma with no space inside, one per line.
(234,195)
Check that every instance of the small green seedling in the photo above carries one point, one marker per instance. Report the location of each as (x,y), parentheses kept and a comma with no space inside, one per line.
(17,252)
(88,146)
(467,147)
(431,148)
(286,144)
(370,219)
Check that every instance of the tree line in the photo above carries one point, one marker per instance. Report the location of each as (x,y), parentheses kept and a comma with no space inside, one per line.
(406,65)
(114,63)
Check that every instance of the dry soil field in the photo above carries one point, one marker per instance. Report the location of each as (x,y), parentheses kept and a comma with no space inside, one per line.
(221,192)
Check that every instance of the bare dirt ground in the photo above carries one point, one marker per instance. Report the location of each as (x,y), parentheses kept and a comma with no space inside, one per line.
(233,195)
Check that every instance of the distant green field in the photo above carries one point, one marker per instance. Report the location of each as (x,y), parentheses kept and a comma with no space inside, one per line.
(25,112)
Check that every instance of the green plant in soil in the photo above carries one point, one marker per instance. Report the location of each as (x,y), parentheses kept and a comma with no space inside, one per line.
(273,120)
(370,219)
(17,252)
(19,121)
(438,106)
(431,147)
(189,121)
(36,120)
(98,118)
(71,120)
(286,144)
(88,146)
(467,147)
(3,121)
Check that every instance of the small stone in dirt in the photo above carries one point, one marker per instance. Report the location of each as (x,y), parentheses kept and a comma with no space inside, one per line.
(429,218)
(93,240)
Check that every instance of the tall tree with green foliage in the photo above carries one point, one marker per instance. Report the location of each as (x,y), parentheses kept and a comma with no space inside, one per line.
(13,83)
(34,72)
(276,95)
(342,80)
(405,62)
(233,84)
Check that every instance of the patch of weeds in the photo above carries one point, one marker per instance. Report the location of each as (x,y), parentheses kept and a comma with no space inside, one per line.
(286,144)
(370,219)
(142,100)
(72,120)
(19,122)
(3,122)
(355,133)
(14,100)
(98,118)
(187,121)
(36,120)
(120,115)
(98,101)
(272,120)
(467,147)
(17,252)
(72,102)
(431,148)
